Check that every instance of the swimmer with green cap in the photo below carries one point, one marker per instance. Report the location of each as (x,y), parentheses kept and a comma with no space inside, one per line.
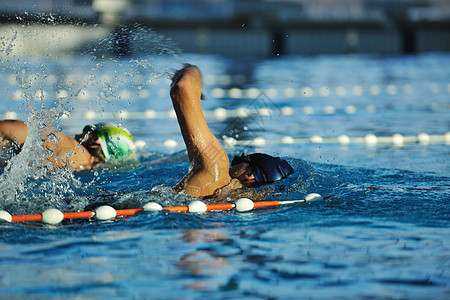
(103,142)
(210,172)
(115,143)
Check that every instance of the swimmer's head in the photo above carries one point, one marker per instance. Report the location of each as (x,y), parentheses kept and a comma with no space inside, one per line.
(258,169)
(107,142)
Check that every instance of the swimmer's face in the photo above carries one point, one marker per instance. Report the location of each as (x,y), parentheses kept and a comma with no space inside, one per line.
(244,174)
(88,138)
(247,179)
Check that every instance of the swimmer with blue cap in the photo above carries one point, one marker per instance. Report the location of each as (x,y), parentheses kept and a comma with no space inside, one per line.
(258,169)
(103,142)
(210,172)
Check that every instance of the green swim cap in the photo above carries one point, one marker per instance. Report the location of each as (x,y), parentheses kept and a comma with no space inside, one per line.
(116,143)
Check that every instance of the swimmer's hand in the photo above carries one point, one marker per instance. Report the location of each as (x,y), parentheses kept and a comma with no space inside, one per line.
(179,75)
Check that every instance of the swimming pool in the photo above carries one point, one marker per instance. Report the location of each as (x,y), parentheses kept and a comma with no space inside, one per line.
(345,123)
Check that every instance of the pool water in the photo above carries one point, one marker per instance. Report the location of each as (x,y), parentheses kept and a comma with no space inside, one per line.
(388,242)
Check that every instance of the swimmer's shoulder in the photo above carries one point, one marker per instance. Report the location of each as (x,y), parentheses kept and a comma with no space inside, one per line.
(14,131)
(71,152)
(235,190)
(235,184)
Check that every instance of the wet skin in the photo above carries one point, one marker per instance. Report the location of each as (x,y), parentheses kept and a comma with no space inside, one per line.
(209,161)
(65,151)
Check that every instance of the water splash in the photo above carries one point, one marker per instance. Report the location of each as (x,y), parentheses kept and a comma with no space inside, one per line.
(50,83)
(29,182)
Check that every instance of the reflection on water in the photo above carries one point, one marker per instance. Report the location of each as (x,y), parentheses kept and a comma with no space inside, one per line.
(202,263)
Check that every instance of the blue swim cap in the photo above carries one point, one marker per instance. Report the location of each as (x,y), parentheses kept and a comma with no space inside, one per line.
(265,168)
(116,143)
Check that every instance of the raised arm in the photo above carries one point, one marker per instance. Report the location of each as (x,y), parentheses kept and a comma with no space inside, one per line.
(209,161)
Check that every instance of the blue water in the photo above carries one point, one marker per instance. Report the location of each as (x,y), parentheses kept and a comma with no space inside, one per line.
(390,243)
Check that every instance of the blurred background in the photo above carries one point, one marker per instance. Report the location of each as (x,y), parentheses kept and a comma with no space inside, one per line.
(256,28)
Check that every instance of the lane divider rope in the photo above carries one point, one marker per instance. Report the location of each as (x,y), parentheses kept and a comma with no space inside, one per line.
(106,212)
(252,92)
(221,113)
(54,216)
(369,139)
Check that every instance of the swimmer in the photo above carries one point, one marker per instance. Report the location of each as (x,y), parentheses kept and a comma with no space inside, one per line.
(210,172)
(97,143)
